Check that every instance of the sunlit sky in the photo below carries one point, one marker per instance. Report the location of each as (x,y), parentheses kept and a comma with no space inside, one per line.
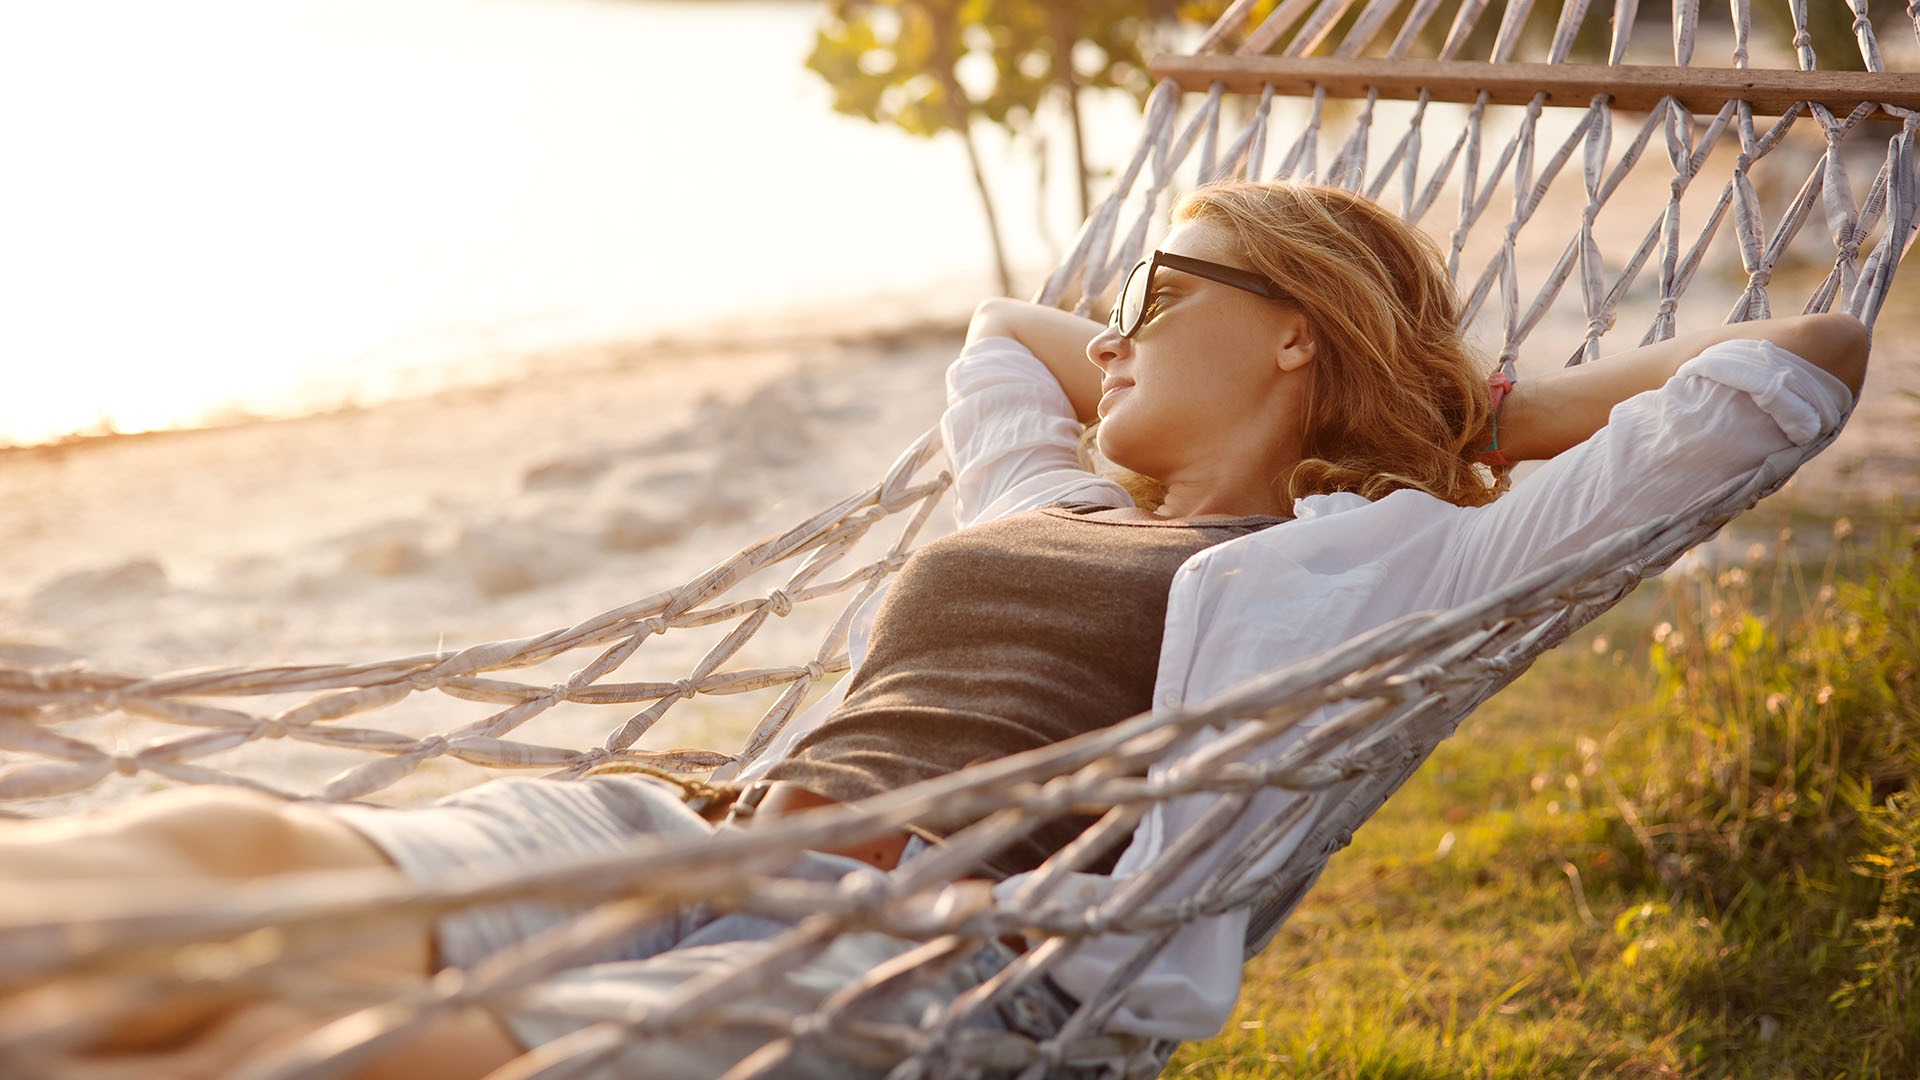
(261,206)
(271,203)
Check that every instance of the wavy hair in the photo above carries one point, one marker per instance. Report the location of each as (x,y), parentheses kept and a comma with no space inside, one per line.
(1398,400)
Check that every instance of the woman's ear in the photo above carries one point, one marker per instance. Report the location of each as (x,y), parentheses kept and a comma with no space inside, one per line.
(1295,345)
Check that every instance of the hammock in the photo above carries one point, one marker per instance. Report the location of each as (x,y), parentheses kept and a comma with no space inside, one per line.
(1318,91)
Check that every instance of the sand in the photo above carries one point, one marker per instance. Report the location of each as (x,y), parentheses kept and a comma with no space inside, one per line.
(470,516)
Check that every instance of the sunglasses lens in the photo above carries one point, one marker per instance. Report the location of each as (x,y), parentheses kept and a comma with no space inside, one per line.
(1133,298)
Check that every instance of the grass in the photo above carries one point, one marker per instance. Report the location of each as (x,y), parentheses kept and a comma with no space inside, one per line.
(1686,844)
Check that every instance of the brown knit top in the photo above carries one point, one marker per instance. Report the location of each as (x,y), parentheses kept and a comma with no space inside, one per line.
(1013,634)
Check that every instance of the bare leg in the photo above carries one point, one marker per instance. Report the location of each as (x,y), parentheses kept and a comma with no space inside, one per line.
(205,834)
(463,1046)
(178,845)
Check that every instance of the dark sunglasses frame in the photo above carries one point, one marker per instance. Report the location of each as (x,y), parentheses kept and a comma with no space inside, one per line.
(1244,280)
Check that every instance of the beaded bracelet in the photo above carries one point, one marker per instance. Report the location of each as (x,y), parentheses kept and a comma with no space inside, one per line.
(1499,385)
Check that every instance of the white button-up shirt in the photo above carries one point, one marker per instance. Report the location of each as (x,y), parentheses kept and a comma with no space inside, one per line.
(1345,565)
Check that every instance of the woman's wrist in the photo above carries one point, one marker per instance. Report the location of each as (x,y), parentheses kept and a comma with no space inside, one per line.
(1546,416)
(1551,414)
(1499,386)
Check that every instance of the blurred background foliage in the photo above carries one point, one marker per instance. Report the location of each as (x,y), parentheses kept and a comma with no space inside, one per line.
(931,66)
(934,66)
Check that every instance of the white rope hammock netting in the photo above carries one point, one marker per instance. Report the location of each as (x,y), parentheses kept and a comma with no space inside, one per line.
(1751,202)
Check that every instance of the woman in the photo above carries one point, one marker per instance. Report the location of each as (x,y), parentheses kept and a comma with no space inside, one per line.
(1286,382)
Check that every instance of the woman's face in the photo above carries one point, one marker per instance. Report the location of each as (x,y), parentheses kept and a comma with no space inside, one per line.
(1215,377)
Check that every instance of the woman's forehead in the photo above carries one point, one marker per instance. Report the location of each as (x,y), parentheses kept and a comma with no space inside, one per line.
(1204,240)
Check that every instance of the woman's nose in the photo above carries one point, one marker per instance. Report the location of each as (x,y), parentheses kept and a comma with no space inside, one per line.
(1107,346)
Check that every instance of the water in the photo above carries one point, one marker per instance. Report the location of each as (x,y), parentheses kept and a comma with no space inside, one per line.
(220,207)
(260,206)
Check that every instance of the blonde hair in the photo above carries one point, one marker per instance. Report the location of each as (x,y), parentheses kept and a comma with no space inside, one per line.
(1398,399)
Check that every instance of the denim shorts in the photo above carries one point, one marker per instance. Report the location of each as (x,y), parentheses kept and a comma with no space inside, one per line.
(521,821)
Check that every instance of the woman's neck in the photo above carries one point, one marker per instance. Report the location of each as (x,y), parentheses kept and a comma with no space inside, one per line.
(1186,504)
(1237,476)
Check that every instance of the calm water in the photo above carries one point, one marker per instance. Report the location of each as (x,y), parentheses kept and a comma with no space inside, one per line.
(272,205)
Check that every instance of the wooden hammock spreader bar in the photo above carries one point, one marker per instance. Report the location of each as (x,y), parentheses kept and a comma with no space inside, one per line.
(1632,87)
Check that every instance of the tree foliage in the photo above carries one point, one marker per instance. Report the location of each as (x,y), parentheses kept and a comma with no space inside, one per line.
(898,61)
(933,66)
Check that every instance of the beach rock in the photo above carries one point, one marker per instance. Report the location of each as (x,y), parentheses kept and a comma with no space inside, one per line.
(659,503)
(388,549)
(667,484)
(771,427)
(638,530)
(502,558)
(135,579)
(567,472)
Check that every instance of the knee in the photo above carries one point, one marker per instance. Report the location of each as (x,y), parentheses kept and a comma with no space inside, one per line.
(220,831)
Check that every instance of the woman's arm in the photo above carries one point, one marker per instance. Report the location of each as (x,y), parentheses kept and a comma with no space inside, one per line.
(1058,338)
(1545,417)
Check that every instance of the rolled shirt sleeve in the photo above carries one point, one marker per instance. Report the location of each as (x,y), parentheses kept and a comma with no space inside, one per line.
(1012,436)
(1738,411)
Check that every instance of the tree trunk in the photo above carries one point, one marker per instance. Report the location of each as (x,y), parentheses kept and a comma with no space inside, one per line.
(1063,39)
(960,117)
(986,205)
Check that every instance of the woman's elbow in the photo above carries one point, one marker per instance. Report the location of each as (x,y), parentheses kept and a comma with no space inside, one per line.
(1833,341)
(993,317)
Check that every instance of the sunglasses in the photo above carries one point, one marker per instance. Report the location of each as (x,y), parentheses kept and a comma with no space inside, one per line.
(1131,309)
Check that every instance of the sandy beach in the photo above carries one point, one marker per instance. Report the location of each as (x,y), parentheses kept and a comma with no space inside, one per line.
(446,521)
(486,513)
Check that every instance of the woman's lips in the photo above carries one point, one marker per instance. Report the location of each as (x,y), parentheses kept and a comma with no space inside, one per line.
(1107,395)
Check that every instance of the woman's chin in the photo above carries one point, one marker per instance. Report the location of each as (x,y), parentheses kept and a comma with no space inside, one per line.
(1116,449)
